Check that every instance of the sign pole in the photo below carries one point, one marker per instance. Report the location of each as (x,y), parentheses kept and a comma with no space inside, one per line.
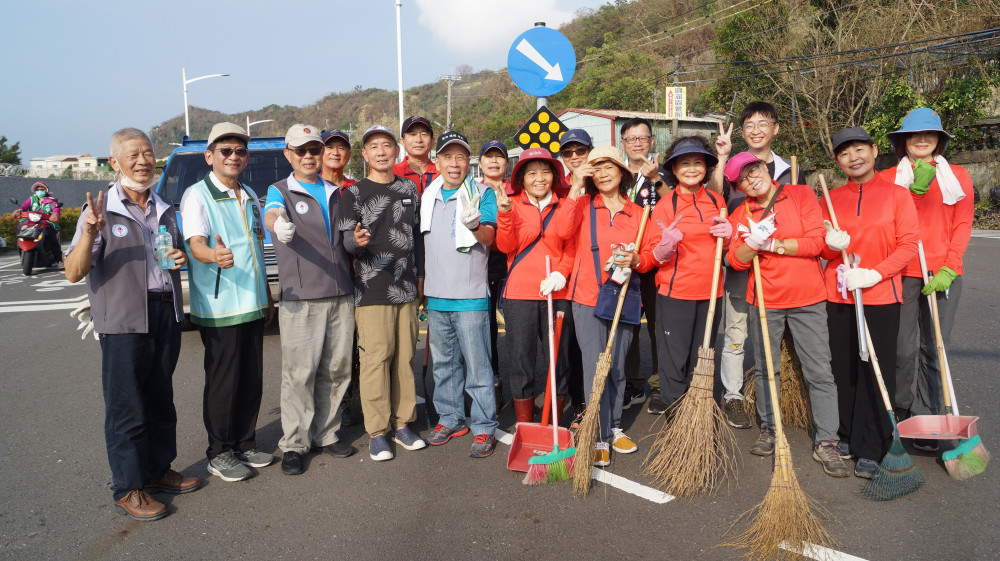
(544,101)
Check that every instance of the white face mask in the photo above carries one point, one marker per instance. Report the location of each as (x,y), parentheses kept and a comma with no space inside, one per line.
(133,185)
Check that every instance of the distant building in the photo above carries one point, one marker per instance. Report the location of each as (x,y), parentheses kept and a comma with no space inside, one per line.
(603,125)
(83,165)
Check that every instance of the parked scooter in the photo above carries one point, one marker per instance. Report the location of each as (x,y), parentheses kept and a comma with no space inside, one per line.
(31,232)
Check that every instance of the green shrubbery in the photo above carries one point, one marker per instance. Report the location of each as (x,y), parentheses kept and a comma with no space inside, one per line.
(67,226)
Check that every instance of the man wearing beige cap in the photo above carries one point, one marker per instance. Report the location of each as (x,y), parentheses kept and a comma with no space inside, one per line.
(230,301)
(317,303)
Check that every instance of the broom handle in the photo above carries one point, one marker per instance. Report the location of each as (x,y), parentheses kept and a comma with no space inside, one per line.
(715,286)
(552,358)
(859,310)
(878,374)
(795,169)
(943,370)
(621,295)
(775,407)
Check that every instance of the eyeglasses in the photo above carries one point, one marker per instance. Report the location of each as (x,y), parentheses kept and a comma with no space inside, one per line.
(300,152)
(457,158)
(636,139)
(570,152)
(240,152)
(752,174)
(762,126)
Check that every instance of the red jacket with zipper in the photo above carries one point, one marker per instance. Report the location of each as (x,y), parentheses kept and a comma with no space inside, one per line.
(688,274)
(515,231)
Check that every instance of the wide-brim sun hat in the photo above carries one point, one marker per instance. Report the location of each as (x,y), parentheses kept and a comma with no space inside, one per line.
(921,119)
(735,165)
(535,155)
(687,146)
(610,154)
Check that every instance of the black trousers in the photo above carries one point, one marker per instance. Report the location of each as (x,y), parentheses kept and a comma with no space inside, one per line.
(864,422)
(140,422)
(527,328)
(633,376)
(234,381)
(679,334)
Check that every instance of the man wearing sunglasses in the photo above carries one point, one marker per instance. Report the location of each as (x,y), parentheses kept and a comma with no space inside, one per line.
(317,304)
(230,301)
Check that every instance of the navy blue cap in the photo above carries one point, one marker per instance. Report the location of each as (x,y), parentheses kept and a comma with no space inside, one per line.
(576,135)
(691,145)
(491,144)
(335,133)
(415,121)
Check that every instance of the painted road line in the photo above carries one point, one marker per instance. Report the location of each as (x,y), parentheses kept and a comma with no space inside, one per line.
(609,478)
(821,553)
(42,305)
(994,234)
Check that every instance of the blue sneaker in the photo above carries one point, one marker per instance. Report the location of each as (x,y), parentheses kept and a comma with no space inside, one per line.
(378,448)
(442,434)
(865,468)
(408,439)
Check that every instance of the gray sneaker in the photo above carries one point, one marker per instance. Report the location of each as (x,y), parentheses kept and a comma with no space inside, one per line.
(255,458)
(828,454)
(765,442)
(865,468)
(227,467)
(736,416)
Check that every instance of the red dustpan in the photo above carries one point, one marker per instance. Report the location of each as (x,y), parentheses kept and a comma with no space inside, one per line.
(535,439)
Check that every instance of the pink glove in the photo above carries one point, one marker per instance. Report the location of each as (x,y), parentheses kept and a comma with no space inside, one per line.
(721,228)
(671,236)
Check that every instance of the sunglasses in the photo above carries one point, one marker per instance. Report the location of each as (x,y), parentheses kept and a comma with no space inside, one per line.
(300,152)
(240,152)
(570,152)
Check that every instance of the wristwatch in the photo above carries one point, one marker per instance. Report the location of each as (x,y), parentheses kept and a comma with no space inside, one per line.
(781,247)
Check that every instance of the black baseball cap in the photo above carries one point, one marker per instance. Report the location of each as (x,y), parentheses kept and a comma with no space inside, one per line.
(335,133)
(850,134)
(416,121)
(452,137)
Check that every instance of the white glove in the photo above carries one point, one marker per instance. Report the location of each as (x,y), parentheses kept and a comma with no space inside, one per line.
(862,278)
(552,283)
(759,235)
(82,314)
(470,209)
(283,229)
(837,240)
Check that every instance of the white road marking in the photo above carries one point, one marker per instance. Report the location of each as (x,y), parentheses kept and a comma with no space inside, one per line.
(611,479)
(994,234)
(42,305)
(821,553)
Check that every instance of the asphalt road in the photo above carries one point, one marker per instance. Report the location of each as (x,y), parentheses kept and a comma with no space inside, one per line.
(55,500)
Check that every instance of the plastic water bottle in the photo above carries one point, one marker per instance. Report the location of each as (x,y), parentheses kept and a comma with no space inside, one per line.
(164,245)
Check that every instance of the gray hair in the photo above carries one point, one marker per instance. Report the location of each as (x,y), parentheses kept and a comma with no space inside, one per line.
(122,136)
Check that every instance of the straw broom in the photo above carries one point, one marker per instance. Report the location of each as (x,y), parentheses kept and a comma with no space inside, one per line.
(786,513)
(586,435)
(796,409)
(694,452)
(897,475)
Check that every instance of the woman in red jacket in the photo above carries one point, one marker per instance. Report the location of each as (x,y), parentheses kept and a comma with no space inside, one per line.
(604,224)
(882,223)
(688,224)
(944,198)
(787,242)
(525,234)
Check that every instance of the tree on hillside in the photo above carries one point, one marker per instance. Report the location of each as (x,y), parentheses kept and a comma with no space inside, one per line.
(9,154)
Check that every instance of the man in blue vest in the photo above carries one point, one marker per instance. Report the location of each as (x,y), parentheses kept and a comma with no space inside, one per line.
(458,219)
(137,312)
(317,302)
(230,302)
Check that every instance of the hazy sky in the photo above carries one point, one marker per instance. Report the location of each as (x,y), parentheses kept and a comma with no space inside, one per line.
(77,71)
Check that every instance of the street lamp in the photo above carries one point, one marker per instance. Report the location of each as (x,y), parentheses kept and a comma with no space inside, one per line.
(187,122)
(249,124)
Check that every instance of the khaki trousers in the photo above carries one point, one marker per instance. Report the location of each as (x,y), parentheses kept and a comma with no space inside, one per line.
(387,339)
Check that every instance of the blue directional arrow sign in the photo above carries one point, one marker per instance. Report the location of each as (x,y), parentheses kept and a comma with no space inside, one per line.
(541,61)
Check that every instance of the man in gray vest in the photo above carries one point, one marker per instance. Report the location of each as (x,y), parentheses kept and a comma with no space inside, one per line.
(137,312)
(458,219)
(230,302)
(317,302)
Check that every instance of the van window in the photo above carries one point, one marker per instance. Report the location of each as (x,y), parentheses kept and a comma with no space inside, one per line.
(266,167)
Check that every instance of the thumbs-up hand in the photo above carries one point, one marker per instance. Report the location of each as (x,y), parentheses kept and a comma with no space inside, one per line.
(284,230)
(361,235)
(470,210)
(223,255)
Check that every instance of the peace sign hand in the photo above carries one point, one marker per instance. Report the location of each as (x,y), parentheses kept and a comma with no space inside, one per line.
(724,143)
(95,221)
(504,203)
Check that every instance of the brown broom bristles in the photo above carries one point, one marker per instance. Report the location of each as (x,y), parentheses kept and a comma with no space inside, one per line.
(796,409)
(586,435)
(785,516)
(695,450)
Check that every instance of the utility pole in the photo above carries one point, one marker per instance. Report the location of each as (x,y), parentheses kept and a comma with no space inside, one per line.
(674,124)
(450,79)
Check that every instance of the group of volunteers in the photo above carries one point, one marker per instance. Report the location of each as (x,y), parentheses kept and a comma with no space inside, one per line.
(357,259)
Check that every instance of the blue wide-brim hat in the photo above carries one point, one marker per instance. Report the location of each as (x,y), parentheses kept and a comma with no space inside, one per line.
(921,119)
(691,146)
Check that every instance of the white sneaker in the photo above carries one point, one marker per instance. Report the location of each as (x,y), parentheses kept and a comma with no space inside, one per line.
(621,443)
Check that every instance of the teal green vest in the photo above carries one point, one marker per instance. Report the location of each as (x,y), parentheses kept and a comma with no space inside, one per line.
(223,297)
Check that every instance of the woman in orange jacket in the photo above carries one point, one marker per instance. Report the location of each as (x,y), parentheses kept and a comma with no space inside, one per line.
(944,198)
(525,234)
(604,224)
(882,225)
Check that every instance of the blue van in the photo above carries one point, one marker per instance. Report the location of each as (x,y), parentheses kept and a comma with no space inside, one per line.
(186,166)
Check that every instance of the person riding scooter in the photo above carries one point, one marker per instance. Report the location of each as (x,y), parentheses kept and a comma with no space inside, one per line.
(44,202)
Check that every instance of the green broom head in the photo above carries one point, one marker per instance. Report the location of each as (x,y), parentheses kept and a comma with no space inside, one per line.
(555,466)
(969,458)
(897,475)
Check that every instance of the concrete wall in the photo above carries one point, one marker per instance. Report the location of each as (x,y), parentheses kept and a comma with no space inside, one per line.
(983,166)
(69,191)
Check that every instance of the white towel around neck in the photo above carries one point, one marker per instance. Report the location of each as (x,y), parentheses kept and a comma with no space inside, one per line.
(464,238)
(951,189)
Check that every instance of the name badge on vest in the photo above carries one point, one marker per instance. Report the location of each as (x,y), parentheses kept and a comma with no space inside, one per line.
(301,207)
(407,202)
(119,230)
(258,225)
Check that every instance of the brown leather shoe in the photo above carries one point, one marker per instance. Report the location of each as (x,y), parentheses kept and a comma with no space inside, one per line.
(139,505)
(173,483)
